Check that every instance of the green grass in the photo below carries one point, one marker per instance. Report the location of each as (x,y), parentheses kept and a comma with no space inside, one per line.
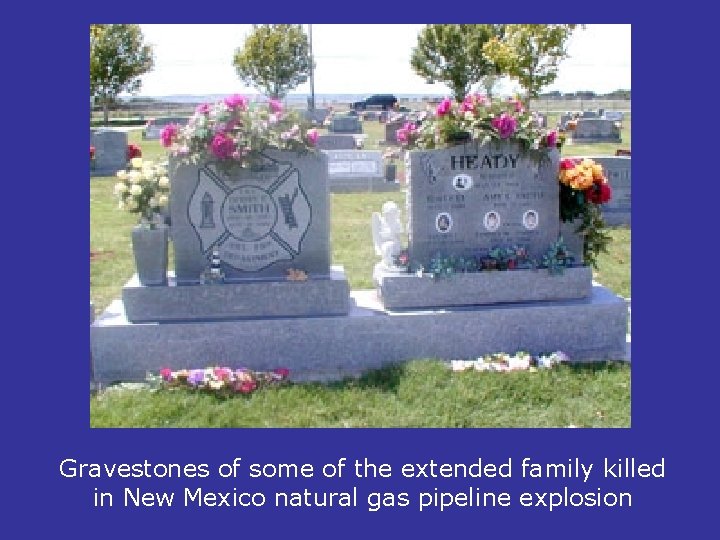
(422,393)
(416,394)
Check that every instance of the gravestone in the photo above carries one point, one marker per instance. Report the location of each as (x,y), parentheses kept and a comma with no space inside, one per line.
(467,199)
(336,142)
(589,114)
(596,130)
(346,124)
(617,170)
(110,151)
(615,116)
(359,170)
(391,131)
(316,116)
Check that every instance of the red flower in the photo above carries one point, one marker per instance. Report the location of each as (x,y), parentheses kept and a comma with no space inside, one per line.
(245,387)
(567,163)
(133,151)
(599,193)
(166,373)
(92,152)
(282,372)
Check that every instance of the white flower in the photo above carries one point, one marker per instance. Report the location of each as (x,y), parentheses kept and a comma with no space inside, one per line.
(164,182)
(153,202)
(136,189)
(469,115)
(163,200)
(137,162)
(132,205)
(519,362)
(120,188)
(148,173)
(134,177)
(122,175)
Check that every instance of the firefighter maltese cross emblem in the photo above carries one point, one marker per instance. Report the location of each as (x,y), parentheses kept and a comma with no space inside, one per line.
(254,221)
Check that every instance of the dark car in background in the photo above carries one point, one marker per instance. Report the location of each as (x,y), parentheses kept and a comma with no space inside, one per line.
(386,101)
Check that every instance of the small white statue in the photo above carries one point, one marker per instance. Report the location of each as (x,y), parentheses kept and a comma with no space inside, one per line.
(386,231)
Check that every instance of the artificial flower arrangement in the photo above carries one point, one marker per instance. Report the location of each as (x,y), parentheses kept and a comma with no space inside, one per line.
(220,380)
(481,119)
(583,188)
(520,361)
(143,189)
(233,132)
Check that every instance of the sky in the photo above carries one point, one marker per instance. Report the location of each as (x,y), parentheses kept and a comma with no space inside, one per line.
(360,59)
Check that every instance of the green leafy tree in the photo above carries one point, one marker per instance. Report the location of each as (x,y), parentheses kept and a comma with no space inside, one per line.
(118,57)
(530,53)
(274,59)
(453,54)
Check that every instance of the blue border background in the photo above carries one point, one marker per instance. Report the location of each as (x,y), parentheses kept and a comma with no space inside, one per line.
(46,401)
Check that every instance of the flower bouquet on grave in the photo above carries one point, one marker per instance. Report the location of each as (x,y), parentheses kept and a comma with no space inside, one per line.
(221,381)
(477,118)
(583,188)
(233,133)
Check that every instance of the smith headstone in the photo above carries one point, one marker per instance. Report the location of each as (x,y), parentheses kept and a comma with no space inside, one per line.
(110,151)
(263,220)
(468,199)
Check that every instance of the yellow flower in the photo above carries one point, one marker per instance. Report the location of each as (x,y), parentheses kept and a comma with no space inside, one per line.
(137,163)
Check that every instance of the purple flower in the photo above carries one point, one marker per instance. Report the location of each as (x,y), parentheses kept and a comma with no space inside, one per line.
(196,376)
(552,139)
(222,146)
(276,106)
(236,101)
(444,107)
(505,124)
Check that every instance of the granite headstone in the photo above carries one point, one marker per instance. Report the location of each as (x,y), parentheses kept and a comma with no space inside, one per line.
(617,170)
(596,130)
(336,142)
(346,124)
(110,151)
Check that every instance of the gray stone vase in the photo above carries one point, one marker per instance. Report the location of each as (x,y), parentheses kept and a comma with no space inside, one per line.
(150,247)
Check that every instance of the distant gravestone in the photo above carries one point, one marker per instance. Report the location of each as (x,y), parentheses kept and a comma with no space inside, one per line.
(596,130)
(359,170)
(615,116)
(336,142)
(317,116)
(589,114)
(110,151)
(468,199)
(346,124)
(617,170)
(391,131)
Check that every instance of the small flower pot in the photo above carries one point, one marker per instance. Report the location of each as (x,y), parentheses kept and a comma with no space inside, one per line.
(150,248)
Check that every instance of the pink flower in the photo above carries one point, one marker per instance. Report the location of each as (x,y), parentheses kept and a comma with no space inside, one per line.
(222,146)
(166,373)
(404,133)
(276,106)
(222,373)
(245,387)
(202,109)
(518,105)
(236,101)
(312,136)
(168,133)
(444,107)
(505,124)
(551,139)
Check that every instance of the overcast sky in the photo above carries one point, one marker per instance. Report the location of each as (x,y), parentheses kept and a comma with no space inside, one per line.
(359,59)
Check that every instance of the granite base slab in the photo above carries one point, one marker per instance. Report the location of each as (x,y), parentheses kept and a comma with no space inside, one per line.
(314,297)
(402,290)
(357,185)
(369,337)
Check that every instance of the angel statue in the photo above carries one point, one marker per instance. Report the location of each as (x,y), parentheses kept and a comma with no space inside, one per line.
(386,231)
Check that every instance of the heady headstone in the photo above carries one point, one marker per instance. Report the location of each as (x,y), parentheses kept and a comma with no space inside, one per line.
(470,198)
(263,220)
(346,124)
(336,142)
(617,170)
(110,151)
(596,130)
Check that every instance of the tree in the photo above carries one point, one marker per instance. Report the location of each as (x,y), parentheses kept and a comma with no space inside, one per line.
(274,59)
(530,53)
(453,53)
(118,57)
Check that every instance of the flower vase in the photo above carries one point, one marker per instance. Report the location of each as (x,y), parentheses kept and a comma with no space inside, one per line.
(150,248)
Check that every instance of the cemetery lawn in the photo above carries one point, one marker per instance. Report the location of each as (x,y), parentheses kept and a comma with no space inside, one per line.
(421,393)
